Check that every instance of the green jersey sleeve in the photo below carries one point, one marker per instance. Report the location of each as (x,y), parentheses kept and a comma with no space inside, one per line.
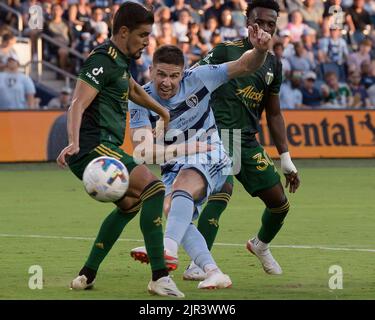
(216,56)
(275,85)
(97,70)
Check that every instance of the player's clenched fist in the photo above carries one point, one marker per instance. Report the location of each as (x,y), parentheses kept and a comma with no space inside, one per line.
(260,39)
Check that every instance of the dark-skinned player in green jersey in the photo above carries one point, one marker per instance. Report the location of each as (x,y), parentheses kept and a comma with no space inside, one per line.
(96,127)
(239,104)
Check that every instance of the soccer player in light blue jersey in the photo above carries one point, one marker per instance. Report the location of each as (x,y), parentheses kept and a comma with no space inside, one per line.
(190,179)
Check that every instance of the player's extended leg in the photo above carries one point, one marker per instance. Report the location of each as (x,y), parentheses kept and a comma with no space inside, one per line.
(208,225)
(189,186)
(145,186)
(277,207)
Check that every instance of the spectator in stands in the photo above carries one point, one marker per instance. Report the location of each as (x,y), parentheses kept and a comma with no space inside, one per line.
(79,16)
(59,31)
(356,59)
(166,36)
(190,58)
(85,44)
(290,93)
(179,6)
(312,14)
(360,95)
(210,27)
(368,73)
(215,39)
(228,31)
(17,90)
(358,19)
(101,34)
(278,50)
(96,18)
(197,42)
(215,10)
(310,43)
(287,43)
(334,50)
(61,102)
(336,94)
(311,96)
(296,26)
(302,60)
(7,49)
(181,27)
(146,58)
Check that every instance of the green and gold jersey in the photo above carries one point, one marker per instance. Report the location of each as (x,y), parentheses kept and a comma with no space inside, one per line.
(107,71)
(239,103)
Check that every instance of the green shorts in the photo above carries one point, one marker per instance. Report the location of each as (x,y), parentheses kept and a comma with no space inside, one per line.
(258,172)
(105,149)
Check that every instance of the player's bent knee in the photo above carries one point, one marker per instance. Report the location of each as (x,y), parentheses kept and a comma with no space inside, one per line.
(282,209)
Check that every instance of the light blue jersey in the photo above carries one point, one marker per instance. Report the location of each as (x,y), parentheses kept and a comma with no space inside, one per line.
(191,119)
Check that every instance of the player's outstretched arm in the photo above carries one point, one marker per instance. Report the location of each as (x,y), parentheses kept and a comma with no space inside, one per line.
(139,96)
(276,124)
(253,59)
(83,95)
(146,150)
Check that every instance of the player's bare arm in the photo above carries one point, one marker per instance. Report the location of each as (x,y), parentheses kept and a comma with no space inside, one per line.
(276,124)
(144,135)
(83,95)
(253,59)
(140,97)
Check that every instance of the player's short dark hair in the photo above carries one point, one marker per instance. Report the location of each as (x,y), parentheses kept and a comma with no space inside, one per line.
(169,54)
(268,4)
(131,15)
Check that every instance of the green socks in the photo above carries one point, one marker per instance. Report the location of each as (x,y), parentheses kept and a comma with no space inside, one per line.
(109,232)
(151,223)
(272,221)
(208,223)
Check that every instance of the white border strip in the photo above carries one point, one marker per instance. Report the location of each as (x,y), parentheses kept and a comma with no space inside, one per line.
(37,236)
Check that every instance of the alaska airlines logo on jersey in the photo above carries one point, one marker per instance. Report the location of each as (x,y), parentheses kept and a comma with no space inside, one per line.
(192,101)
(269,77)
(251,93)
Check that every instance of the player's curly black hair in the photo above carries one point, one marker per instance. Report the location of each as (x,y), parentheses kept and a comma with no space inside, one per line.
(268,4)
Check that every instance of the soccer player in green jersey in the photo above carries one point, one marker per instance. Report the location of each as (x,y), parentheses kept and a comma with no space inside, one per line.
(96,127)
(239,104)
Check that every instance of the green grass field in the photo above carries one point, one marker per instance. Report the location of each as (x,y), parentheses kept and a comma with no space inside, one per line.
(47,219)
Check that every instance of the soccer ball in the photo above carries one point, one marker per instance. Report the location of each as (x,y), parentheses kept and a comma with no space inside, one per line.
(106,179)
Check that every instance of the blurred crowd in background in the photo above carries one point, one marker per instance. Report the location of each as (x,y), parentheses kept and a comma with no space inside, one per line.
(326,47)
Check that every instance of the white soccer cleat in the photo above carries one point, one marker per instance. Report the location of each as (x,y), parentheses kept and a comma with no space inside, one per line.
(80,283)
(194,273)
(164,287)
(140,254)
(262,251)
(215,280)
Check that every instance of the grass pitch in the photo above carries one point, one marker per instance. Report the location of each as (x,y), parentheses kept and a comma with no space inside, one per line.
(46,219)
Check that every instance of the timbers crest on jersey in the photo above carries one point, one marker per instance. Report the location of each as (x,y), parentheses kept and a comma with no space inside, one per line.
(269,77)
